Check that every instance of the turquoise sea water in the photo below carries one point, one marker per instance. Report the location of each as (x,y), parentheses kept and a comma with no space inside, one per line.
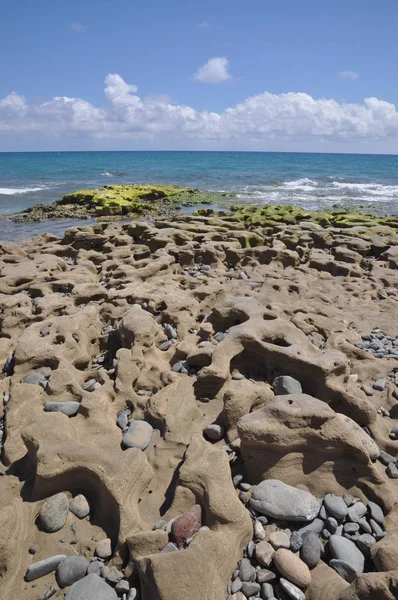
(310,180)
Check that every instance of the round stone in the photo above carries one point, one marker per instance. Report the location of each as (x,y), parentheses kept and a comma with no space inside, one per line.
(344,550)
(138,435)
(296,541)
(376,512)
(250,588)
(357,511)
(103,549)
(264,553)
(213,432)
(279,539)
(336,506)
(284,502)
(344,569)
(187,525)
(365,542)
(246,570)
(311,549)
(236,586)
(292,590)
(79,506)
(71,570)
(285,384)
(67,408)
(292,568)
(54,512)
(91,587)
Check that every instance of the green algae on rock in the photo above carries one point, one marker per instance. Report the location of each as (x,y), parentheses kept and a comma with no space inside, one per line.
(271,215)
(122,200)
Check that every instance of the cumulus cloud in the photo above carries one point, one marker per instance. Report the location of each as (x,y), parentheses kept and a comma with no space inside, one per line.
(204,25)
(77,27)
(214,71)
(349,75)
(290,117)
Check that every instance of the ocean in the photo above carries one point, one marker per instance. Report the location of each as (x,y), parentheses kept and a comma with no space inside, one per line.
(309,180)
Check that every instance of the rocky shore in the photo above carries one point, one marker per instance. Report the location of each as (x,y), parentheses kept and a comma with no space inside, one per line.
(203,407)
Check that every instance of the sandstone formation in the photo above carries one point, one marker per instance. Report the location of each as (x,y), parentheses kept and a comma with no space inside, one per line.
(159,377)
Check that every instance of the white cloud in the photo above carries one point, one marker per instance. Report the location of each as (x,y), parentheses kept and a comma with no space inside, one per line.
(77,27)
(261,121)
(204,25)
(349,75)
(214,71)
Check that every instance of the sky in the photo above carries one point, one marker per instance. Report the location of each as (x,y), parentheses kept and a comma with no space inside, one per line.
(199,75)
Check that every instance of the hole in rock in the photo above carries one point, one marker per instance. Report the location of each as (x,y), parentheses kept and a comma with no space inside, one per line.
(279,341)
(222,323)
(269,317)
(59,339)
(249,364)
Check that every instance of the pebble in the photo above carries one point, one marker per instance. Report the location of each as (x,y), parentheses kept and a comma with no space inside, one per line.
(331,524)
(363,524)
(310,551)
(246,571)
(170,547)
(114,575)
(380,385)
(245,487)
(365,542)
(122,587)
(357,511)
(346,551)
(279,539)
(286,385)
(54,512)
(236,375)
(351,528)
(386,458)
(264,575)
(292,567)
(103,549)
(236,586)
(220,336)
(138,435)
(37,378)
(267,591)
(392,471)
(316,526)
(90,385)
(32,549)
(170,331)
(377,530)
(292,590)
(250,588)
(264,553)
(123,419)
(258,529)
(79,506)
(91,587)
(376,512)
(71,570)
(67,408)
(394,433)
(43,567)
(95,566)
(296,541)
(214,432)
(284,502)
(133,594)
(336,506)
(344,569)
(187,525)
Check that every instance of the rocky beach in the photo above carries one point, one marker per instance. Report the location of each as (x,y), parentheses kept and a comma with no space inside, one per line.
(199,407)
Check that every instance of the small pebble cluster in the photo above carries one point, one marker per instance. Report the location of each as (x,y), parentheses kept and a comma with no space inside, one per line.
(292,531)
(136,433)
(83,576)
(379,344)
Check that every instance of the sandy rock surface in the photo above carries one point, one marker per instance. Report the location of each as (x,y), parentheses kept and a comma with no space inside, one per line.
(193,362)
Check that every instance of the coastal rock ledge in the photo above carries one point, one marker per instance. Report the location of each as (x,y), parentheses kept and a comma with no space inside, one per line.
(200,407)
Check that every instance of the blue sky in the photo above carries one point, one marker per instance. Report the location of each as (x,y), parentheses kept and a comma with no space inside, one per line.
(345,51)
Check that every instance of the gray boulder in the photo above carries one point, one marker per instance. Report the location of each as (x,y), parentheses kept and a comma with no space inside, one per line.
(53,513)
(286,385)
(71,570)
(91,587)
(336,506)
(67,408)
(344,550)
(310,551)
(278,500)
(138,435)
(43,567)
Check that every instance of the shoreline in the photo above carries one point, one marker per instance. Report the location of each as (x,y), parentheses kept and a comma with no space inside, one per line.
(165,368)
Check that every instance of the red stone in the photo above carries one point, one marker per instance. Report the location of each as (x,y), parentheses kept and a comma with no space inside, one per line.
(186,525)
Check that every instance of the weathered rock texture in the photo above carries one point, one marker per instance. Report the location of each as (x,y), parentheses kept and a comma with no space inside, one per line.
(86,315)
